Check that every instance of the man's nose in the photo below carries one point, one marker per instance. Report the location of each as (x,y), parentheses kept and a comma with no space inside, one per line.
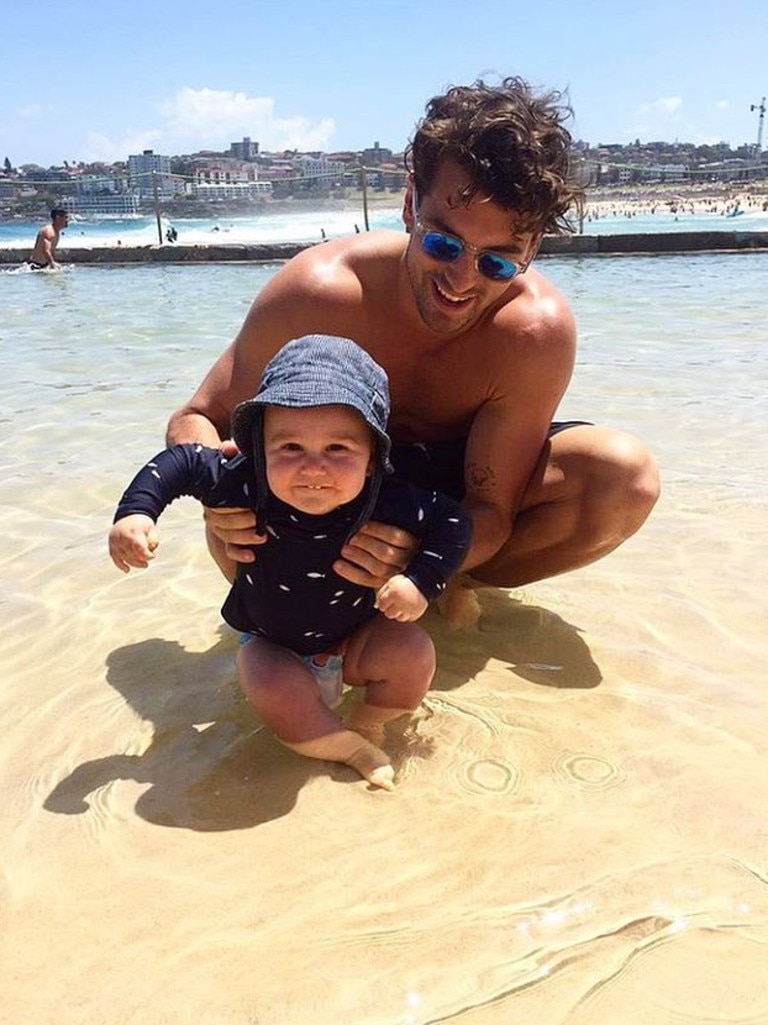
(462,273)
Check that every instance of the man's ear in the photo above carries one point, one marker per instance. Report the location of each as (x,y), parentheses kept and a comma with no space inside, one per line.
(408,203)
(532,250)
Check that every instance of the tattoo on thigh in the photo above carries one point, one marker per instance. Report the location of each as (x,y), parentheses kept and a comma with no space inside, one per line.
(480,478)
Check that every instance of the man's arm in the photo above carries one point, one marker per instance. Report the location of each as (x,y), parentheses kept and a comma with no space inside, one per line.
(315,291)
(48,250)
(510,429)
(204,420)
(273,319)
(301,298)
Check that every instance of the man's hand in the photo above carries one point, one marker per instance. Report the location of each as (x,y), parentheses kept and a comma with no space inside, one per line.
(375,554)
(234,528)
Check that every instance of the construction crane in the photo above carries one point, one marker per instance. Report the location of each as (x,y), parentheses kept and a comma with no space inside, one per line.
(761,109)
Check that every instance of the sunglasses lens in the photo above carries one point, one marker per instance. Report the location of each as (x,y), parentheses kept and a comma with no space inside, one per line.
(496,267)
(441,247)
(447,248)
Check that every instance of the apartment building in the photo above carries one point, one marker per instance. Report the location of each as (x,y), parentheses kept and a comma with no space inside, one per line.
(150,171)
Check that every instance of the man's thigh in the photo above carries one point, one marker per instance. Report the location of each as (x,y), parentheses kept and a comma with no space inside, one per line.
(565,456)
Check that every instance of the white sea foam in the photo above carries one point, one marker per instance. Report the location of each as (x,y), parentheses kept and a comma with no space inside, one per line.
(295,226)
(311,225)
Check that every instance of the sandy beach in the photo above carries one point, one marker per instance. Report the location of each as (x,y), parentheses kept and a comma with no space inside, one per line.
(578,833)
(681,200)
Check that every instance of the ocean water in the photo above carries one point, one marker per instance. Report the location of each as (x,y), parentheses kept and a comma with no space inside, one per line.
(311,225)
(303,225)
(578,833)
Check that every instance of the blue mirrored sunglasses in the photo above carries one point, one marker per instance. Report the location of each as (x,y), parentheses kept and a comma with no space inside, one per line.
(439,245)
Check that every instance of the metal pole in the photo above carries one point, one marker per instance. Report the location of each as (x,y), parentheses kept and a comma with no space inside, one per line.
(157,208)
(761,108)
(364,184)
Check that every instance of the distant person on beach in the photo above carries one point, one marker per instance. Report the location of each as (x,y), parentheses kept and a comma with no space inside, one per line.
(478,345)
(44,252)
(314,466)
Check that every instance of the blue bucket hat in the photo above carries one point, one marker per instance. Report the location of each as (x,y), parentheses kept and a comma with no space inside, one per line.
(317,370)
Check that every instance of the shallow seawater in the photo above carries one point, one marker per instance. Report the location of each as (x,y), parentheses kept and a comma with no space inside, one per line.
(579,829)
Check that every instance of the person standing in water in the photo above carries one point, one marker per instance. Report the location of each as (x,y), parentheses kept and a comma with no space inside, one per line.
(43,256)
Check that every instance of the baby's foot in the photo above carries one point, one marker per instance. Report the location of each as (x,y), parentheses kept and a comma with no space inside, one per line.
(373,764)
(352,749)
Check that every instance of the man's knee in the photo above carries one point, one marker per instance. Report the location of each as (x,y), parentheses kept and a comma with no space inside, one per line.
(627,476)
(594,487)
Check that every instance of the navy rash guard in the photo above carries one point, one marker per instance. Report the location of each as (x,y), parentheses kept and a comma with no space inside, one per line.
(290,594)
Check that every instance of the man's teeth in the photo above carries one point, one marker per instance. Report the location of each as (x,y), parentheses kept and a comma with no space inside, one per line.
(450,298)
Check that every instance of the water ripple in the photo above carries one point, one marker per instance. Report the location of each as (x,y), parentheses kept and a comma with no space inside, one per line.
(492,776)
(587,771)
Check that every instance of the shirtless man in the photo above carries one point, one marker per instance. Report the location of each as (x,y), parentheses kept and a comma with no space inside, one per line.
(43,255)
(479,348)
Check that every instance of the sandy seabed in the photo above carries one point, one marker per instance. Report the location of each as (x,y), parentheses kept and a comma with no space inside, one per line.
(578,833)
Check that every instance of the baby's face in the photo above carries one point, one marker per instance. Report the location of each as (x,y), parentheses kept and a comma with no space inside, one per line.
(317,458)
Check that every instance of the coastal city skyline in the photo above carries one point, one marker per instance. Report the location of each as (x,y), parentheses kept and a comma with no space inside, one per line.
(245,174)
(162,76)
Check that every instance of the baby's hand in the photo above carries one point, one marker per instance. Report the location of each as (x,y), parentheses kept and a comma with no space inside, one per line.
(132,542)
(401,599)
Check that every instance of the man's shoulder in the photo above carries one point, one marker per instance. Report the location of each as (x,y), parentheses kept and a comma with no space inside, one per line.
(538,312)
(349,256)
(338,273)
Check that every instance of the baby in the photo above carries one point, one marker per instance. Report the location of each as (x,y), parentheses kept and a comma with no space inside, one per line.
(314,466)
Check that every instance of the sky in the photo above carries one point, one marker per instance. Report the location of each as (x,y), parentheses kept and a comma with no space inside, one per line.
(86,82)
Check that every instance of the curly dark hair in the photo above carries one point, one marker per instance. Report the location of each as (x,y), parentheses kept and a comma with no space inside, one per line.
(511,142)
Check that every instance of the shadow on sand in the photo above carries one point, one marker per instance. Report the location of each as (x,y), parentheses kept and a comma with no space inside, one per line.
(212,766)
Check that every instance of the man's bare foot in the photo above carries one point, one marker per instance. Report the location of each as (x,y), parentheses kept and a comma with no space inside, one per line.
(459,604)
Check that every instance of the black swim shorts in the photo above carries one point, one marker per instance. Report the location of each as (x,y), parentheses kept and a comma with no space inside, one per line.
(440,464)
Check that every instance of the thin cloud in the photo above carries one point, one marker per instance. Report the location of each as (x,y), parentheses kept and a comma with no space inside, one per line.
(221,116)
(195,119)
(655,118)
(32,111)
(667,104)
(100,148)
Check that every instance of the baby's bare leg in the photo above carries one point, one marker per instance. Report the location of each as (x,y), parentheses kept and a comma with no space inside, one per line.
(286,695)
(283,691)
(395,662)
